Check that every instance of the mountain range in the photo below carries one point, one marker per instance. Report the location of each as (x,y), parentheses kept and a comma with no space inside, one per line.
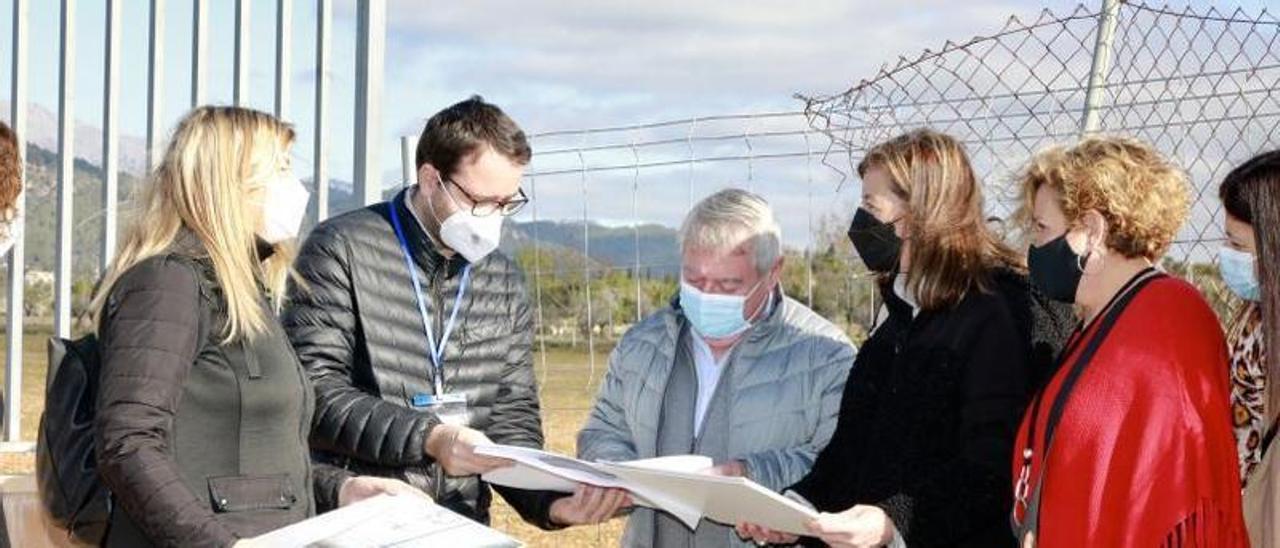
(610,246)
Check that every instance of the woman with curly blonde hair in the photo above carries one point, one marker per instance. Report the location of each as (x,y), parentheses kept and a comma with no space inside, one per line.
(1130,443)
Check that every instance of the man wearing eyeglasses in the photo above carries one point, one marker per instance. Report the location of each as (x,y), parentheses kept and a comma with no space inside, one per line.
(416,331)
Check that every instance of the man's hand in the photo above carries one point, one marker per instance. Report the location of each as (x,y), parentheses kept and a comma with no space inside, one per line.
(454,447)
(588,505)
(762,536)
(858,527)
(362,487)
(733,469)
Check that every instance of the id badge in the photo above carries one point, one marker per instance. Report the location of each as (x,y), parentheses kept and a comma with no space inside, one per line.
(449,408)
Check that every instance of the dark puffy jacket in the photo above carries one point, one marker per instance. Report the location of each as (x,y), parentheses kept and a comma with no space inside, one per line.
(355,324)
(200,442)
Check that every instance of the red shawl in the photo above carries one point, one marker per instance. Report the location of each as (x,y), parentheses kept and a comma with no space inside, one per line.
(1144,453)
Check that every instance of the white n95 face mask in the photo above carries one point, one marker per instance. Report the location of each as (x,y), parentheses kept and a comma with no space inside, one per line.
(472,237)
(283,208)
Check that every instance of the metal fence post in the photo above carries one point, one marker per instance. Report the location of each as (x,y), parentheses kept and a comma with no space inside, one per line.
(199,47)
(407,170)
(284,57)
(111,135)
(1101,65)
(155,81)
(320,152)
(17,270)
(371,42)
(66,169)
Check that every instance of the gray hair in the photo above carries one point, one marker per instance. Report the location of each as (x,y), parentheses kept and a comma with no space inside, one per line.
(729,218)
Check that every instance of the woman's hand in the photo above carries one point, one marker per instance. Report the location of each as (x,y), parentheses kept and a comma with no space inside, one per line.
(763,536)
(362,487)
(858,527)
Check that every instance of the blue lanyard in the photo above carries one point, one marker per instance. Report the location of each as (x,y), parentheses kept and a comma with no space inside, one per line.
(436,350)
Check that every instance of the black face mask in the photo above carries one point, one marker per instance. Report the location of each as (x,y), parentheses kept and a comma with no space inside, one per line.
(875,241)
(1055,269)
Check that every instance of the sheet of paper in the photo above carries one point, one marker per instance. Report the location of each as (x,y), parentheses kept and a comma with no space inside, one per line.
(722,499)
(542,470)
(673,484)
(388,521)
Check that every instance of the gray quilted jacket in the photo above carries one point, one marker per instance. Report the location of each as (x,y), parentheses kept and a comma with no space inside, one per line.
(789,374)
(355,324)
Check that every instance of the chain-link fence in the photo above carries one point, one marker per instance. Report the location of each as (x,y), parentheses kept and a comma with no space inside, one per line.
(1203,86)
(1200,85)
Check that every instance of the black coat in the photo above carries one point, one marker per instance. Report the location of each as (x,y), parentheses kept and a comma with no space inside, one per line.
(200,442)
(355,324)
(928,418)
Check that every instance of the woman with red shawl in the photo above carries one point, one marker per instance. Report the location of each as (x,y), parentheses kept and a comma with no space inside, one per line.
(1130,442)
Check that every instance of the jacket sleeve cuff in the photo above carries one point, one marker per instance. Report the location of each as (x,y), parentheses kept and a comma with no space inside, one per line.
(899,508)
(328,480)
(534,507)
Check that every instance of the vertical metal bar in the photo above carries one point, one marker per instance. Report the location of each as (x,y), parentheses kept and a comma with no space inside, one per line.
(808,252)
(370,46)
(635,225)
(407,171)
(284,56)
(1101,65)
(155,81)
(324,20)
(240,68)
(66,168)
(537,285)
(692,161)
(199,45)
(586,269)
(17,274)
(110,134)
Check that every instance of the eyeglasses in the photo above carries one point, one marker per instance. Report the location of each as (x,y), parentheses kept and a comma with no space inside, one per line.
(484,208)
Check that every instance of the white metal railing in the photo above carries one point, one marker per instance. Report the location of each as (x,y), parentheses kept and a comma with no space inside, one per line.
(370,36)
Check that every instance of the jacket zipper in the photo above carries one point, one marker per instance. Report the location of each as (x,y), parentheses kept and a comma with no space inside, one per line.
(304,426)
(438,318)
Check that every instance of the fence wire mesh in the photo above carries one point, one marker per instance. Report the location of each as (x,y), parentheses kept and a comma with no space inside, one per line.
(1202,86)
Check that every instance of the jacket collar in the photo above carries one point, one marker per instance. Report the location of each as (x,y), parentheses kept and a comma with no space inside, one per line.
(424,249)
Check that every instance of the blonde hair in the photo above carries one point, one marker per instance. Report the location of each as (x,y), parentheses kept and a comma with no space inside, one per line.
(729,218)
(953,249)
(1142,196)
(216,157)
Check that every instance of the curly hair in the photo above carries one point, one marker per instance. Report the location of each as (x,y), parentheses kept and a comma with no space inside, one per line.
(1143,197)
(10,169)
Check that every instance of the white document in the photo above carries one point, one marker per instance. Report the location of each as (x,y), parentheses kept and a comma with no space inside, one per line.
(671,484)
(387,521)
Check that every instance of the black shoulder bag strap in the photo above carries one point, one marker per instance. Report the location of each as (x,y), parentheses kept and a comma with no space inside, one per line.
(1031,521)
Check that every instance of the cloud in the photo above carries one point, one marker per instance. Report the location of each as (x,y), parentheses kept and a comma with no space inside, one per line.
(565,64)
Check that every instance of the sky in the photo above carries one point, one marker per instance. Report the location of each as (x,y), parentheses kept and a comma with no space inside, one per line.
(552,64)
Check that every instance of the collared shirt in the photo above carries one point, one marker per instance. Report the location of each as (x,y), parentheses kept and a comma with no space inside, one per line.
(709,369)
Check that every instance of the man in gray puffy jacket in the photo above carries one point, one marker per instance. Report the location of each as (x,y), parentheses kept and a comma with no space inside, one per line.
(733,370)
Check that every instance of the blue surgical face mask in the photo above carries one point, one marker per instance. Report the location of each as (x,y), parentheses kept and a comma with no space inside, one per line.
(715,316)
(1239,273)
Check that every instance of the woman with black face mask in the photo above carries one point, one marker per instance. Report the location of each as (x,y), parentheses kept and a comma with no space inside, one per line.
(1130,443)
(919,456)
